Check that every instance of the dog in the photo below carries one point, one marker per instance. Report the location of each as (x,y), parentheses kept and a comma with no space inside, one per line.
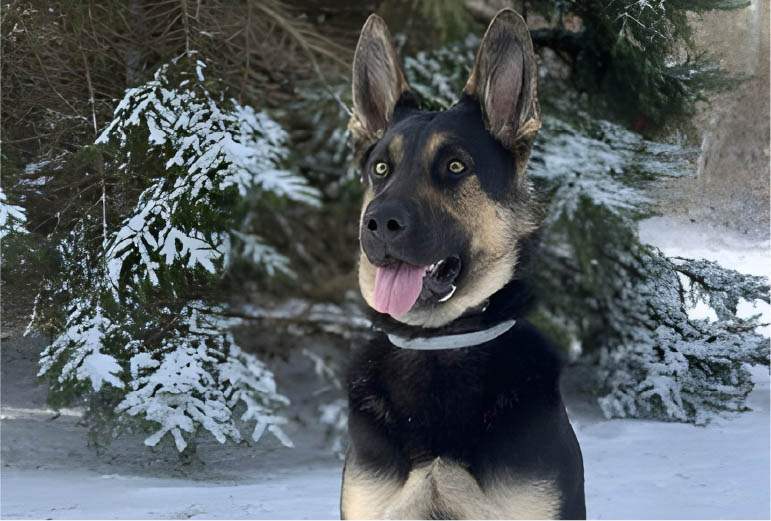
(455,409)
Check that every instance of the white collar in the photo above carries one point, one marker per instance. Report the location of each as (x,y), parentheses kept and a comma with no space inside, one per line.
(457,341)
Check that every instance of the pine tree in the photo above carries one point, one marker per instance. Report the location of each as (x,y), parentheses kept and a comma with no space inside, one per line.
(12,217)
(637,57)
(124,234)
(175,366)
(129,237)
(622,304)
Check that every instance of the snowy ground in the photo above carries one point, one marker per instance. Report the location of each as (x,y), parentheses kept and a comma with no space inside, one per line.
(634,469)
(653,470)
(680,237)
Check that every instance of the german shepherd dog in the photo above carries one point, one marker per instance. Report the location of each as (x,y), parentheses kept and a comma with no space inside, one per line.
(455,408)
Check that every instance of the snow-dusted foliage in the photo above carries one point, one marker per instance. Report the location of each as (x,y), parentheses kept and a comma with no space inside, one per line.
(209,147)
(601,162)
(195,377)
(199,376)
(325,150)
(79,348)
(627,304)
(657,359)
(144,341)
(12,218)
(253,248)
(334,415)
(642,21)
(86,355)
(624,306)
(436,75)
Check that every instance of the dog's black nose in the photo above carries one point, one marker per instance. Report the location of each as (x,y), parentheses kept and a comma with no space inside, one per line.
(394,227)
(386,220)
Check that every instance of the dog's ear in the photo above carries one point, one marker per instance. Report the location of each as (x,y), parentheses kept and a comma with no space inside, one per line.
(504,81)
(378,82)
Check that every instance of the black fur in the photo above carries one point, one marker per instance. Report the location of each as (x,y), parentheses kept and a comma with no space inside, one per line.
(495,408)
(465,121)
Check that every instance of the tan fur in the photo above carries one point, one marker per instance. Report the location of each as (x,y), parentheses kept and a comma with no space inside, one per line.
(445,487)
(368,196)
(367,270)
(494,231)
(433,142)
(396,149)
(494,228)
(363,137)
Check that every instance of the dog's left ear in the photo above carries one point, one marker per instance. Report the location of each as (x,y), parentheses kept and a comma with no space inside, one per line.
(504,81)
(378,83)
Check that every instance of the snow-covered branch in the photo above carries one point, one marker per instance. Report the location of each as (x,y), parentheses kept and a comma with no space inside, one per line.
(12,218)
(210,147)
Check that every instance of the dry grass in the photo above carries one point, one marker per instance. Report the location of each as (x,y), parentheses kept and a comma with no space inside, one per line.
(65,63)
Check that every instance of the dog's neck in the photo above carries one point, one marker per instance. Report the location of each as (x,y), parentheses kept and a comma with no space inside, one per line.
(493,317)
(453,341)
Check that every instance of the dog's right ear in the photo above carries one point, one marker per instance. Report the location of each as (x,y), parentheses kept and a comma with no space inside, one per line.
(378,82)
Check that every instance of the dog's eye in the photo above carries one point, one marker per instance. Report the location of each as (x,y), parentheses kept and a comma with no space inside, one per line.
(381,169)
(456,167)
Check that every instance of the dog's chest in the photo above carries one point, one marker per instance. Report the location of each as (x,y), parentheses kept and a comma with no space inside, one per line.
(436,406)
(444,489)
(461,434)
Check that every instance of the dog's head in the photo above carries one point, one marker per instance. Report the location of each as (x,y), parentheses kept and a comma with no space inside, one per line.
(446,202)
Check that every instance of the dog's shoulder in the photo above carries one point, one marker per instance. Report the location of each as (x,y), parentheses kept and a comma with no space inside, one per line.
(526,350)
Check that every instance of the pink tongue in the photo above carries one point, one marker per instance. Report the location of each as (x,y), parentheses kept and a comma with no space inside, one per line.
(397,287)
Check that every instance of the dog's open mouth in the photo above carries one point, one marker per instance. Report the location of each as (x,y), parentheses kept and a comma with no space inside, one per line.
(398,285)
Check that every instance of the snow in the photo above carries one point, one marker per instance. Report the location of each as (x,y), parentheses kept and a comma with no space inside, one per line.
(201,379)
(260,254)
(100,368)
(746,309)
(656,470)
(302,493)
(634,468)
(679,237)
(35,167)
(210,147)
(81,344)
(694,240)
(35,181)
(12,218)
(702,311)
(599,161)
